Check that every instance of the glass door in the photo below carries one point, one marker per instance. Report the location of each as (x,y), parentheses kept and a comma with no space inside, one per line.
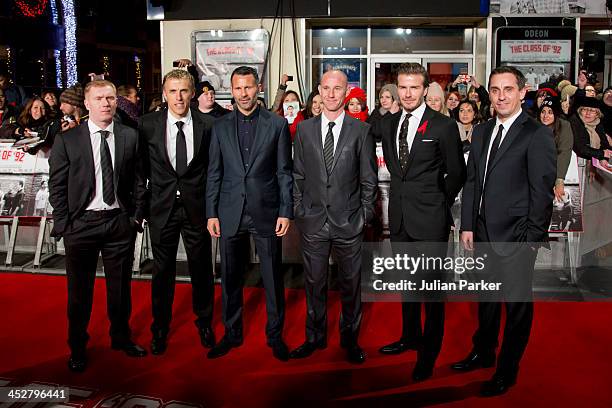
(445,70)
(383,70)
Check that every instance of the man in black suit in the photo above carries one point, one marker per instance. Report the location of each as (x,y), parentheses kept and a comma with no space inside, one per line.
(249,191)
(335,188)
(424,155)
(96,191)
(507,199)
(174,146)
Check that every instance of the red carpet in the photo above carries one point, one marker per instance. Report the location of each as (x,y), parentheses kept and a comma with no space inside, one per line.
(567,363)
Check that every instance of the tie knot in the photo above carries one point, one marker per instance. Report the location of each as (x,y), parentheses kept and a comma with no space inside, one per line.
(104,134)
(180,124)
(331,125)
(501,128)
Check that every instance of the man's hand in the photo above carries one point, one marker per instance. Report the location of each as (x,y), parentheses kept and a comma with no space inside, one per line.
(582,79)
(284,79)
(467,239)
(474,82)
(183,62)
(559,191)
(282,226)
(214,229)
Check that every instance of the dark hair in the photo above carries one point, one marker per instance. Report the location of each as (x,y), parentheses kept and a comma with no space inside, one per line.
(307,112)
(280,110)
(507,69)
(244,70)
(361,103)
(413,68)
(125,90)
(25,119)
(477,118)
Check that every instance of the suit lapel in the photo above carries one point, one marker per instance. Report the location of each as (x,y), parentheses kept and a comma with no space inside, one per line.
(513,132)
(119,154)
(261,133)
(317,142)
(88,153)
(394,153)
(427,115)
(232,136)
(482,162)
(160,138)
(347,123)
(198,131)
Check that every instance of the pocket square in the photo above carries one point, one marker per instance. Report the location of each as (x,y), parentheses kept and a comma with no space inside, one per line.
(427,140)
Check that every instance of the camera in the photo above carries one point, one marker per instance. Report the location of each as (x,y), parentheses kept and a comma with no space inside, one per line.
(289,78)
(175,64)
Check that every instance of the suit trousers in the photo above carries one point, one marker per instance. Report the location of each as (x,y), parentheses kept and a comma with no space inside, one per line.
(429,335)
(512,271)
(316,249)
(234,259)
(199,262)
(110,233)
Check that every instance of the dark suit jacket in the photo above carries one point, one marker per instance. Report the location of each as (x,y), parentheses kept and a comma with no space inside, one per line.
(518,194)
(163,179)
(346,197)
(72,182)
(423,194)
(266,185)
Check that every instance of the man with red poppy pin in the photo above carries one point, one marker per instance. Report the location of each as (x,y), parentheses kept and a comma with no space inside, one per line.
(422,149)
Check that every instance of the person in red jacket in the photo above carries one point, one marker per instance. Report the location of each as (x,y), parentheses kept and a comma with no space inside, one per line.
(355,104)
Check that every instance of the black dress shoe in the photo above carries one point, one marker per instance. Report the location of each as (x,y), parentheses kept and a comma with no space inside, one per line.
(399,347)
(306,349)
(77,362)
(159,344)
(422,372)
(131,349)
(497,385)
(223,347)
(475,360)
(207,336)
(280,350)
(355,354)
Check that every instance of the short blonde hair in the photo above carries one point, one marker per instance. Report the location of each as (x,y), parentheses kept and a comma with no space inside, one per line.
(100,83)
(179,74)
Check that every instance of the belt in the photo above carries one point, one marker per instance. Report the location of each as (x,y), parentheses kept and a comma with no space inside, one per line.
(102,213)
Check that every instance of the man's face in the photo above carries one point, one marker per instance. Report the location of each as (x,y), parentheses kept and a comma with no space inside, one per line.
(178,93)
(67,109)
(101,103)
(505,94)
(607,97)
(333,89)
(411,90)
(207,99)
(244,91)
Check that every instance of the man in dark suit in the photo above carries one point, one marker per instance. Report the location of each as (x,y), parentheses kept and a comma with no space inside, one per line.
(335,187)
(96,191)
(249,191)
(424,155)
(507,199)
(174,145)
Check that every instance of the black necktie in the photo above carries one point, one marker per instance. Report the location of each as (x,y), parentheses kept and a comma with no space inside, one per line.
(328,149)
(181,150)
(108,188)
(404,151)
(494,148)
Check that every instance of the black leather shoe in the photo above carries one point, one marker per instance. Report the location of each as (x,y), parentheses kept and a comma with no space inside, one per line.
(130,348)
(77,362)
(207,336)
(280,350)
(306,349)
(399,347)
(355,354)
(422,372)
(475,360)
(159,344)
(497,385)
(223,347)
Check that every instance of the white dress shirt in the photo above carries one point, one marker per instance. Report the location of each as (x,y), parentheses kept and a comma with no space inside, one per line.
(335,130)
(413,125)
(172,132)
(98,204)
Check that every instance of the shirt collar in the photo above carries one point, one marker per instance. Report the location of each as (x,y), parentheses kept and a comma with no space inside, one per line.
(417,113)
(253,115)
(93,128)
(173,119)
(508,123)
(338,121)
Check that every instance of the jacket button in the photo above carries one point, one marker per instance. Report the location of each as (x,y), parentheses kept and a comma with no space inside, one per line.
(328,206)
(328,186)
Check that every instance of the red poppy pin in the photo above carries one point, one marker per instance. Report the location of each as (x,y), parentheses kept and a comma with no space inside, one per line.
(422,128)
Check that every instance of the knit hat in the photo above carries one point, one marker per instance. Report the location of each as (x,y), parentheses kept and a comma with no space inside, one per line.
(392,89)
(199,90)
(548,91)
(553,103)
(356,93)
(567,89)
(587,102)
(74,96)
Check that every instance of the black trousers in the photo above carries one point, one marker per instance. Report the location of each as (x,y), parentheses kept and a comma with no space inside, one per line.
(515,272)
(234,259)
(316,249)
(199,263)
(111,234)
(429,335)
